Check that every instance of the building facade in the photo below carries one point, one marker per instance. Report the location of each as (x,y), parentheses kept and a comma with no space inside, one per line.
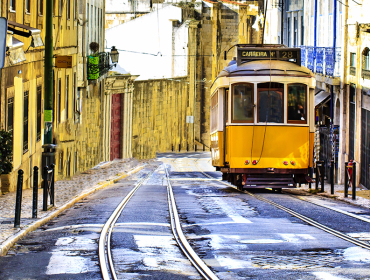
(77,126)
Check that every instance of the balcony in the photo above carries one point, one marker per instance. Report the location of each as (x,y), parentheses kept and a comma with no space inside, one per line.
(324,61)
(365,74)
(98,65)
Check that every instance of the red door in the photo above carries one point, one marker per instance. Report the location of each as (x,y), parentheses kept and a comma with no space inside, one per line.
(115,136)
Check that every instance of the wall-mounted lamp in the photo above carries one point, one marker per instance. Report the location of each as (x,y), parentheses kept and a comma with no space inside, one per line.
(114,55)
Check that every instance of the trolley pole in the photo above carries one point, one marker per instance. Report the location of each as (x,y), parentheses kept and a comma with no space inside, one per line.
(48,74)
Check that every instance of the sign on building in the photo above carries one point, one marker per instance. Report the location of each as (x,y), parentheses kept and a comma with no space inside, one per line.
(189,119)
(63,61)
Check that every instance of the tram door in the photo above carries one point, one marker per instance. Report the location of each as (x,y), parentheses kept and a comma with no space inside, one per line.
(352,122)
(226,118)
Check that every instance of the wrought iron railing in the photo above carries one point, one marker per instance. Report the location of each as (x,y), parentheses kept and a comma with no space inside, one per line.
(97,65)
(321,60)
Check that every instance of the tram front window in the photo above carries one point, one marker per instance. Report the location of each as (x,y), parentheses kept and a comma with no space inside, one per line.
(270,102)
(297,103)
(243,103)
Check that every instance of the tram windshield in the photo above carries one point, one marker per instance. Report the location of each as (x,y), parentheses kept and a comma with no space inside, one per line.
(242,103)
(297,103)
(270,102)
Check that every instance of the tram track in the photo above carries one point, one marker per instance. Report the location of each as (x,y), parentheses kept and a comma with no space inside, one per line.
(105,256)
(302,217)
(181,240)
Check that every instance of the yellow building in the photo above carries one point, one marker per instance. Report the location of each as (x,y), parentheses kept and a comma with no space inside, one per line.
(77,127)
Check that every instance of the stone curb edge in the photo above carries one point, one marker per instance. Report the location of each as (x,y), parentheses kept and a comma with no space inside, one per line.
(7,244)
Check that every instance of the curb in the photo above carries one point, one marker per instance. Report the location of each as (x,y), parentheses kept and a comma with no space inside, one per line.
(7,244)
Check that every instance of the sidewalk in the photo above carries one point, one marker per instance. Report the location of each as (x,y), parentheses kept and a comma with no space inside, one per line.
(362,194)
(67,193)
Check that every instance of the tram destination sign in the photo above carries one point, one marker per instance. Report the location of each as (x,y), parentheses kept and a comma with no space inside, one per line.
(287,54)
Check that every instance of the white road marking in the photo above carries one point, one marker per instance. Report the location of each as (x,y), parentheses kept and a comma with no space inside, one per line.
(100,225)
(66,259)
(328,276)
(261,241)
(357,254)
(230,212)
(296,238)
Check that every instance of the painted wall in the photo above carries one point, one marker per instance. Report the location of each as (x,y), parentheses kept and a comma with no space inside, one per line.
(150,55)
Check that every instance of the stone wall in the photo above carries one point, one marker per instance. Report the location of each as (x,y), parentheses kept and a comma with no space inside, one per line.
(159,117)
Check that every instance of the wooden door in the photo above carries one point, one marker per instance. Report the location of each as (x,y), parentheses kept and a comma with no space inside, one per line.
(115,137)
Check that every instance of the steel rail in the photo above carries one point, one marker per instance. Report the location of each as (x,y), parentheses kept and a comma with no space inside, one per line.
(299,216)
(181,240)
(106,233)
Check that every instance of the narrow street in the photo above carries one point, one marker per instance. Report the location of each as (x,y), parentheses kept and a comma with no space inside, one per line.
(234,233)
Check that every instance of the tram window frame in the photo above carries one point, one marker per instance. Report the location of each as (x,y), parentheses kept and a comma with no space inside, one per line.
(306,103)
(282,101)
(214,111)
(232,103)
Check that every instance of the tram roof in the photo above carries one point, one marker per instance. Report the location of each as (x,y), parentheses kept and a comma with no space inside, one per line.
(265,67)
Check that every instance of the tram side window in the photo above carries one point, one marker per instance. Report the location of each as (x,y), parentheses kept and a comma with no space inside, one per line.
(270,102)
(297,103)
(242,110)
(214,111)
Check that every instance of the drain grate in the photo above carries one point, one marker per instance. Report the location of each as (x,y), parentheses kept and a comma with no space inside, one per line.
(296,262)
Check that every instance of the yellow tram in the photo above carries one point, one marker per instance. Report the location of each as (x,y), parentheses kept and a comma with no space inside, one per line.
(262,118)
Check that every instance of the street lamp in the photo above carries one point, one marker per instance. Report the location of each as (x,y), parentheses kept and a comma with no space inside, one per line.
(114,54)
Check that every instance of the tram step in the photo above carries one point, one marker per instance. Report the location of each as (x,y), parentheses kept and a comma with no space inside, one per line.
(269,182)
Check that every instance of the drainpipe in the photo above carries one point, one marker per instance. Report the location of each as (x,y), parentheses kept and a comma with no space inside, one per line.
(334,45)
(315,29)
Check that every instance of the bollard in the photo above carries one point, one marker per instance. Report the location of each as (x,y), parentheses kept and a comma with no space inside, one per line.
(346,179)
(18,200)
(179,147)
(195,147)
(172,148)
(35,191)
(45,189)
(317,176)
(311,176)
(187,147)
(322,176)
(332,176)
(52,193)
(354,181)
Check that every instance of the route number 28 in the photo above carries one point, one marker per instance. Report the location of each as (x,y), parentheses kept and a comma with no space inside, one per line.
(287,54)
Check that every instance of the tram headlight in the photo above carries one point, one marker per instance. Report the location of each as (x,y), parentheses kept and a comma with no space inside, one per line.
(246,162)
(292,162)
(285,162)
(254,162)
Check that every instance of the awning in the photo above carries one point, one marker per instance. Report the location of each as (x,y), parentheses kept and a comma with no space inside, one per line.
(18,29)
(321,97)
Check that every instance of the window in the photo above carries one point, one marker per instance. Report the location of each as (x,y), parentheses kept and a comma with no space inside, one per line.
(76,10)
(61,162)
(68,8)
(242,103)
(54,7)
(25,122)
(60,8)
(270,102)
(297,103)
(10,117)
(28,6)
(74,96)
(302,31)
(67,93)
(12,5)
(227,104)
(353,58)
(38,129)
(41,7)
(59,100)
